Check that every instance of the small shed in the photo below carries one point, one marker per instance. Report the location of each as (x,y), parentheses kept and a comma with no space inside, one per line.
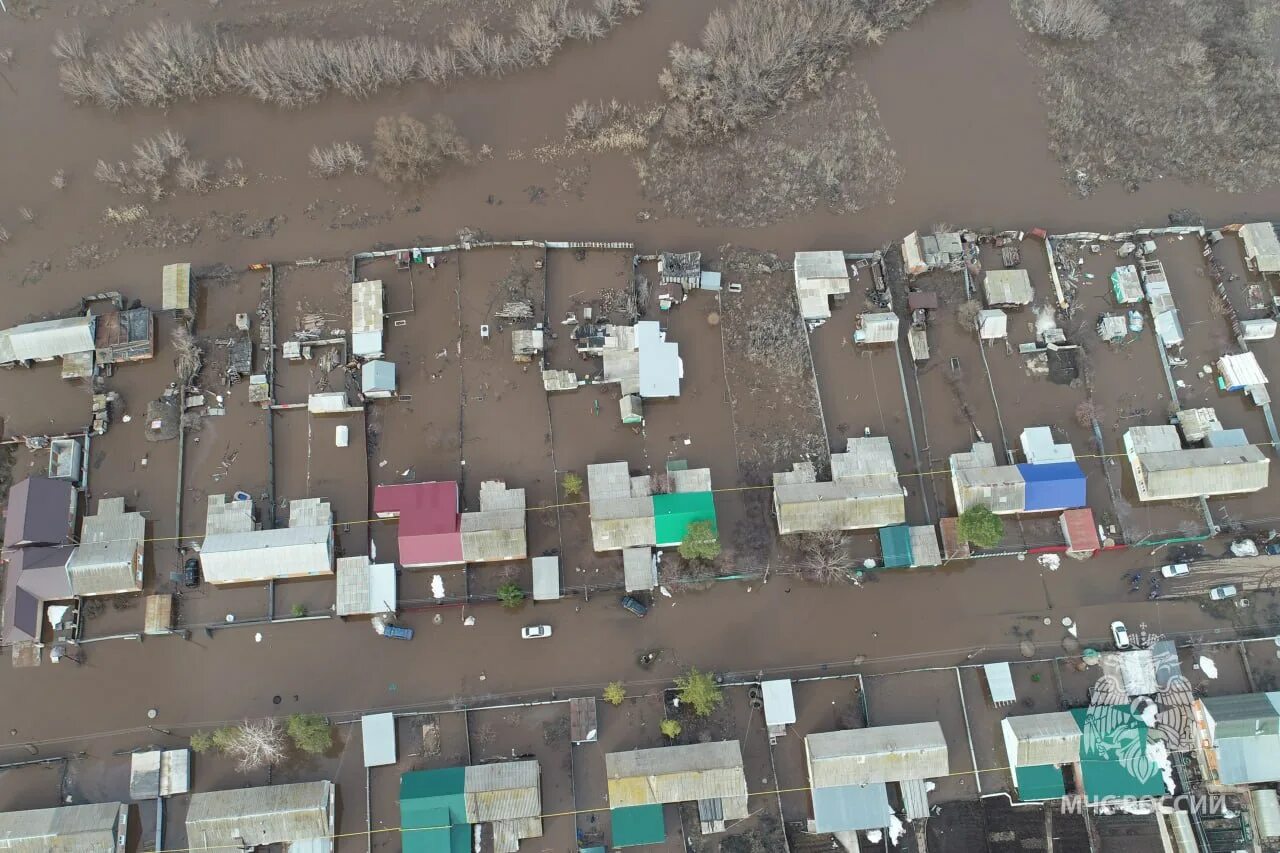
(526,343)
(378,379)
(639,569)
(1169,329)
(918,341)
(159,614)
(1008,287)
(175,290)
(1258,329)
(918,299)
(1261,247)
(924,547)
(779,706)
(127,335)
(1000,683)
(546,578)
(1196,424)
(913,254)
(1080,531)
(583,726)
(631,409)
(953,547)
(1241,371)
(993,324)
(895,545)
(709,280)
(367,319)
(881,328)
(365,588)
(819,276)
(330,403)
(378,732)
(1112,327)
(1126,285)
(66,459)
(159,773)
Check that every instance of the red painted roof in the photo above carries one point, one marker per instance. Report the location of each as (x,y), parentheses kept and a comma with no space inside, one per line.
(430,525)
(1081,531)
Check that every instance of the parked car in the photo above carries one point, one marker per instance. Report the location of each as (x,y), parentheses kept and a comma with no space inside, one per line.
(1273,549)
(1175,570)
(1218,593)
(191,573)
(535,632)
(635,605)
(1120,634)
(396,632)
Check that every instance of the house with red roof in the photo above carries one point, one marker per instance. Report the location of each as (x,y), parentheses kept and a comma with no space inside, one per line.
(434,532)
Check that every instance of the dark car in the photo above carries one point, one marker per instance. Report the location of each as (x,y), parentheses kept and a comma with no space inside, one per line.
(191,573)
(635,605)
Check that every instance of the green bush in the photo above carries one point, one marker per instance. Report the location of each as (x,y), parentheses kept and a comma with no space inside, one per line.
(310,733)
(700,542)
(699,691)
(511,595)
(980,526)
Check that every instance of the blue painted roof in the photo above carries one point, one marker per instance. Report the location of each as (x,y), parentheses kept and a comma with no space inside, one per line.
(846,808)
(1053,485)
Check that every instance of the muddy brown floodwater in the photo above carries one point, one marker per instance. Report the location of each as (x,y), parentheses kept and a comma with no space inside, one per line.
(960,102)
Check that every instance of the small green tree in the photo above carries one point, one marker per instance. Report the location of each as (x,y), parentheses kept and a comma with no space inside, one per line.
(572,484)
(201,742)
(700,542)
(615,693)
(980,526)
(310,733)
(699,691)
(511,595)
(299,610)
(671,728)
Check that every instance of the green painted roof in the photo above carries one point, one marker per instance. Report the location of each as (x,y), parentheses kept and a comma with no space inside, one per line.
(1041,782)
(673,513)
(895,543)
(1113,753)
(636,825)
(433,812)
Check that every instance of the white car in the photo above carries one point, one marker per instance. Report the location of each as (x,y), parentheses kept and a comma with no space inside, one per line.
(1175,570)
(1120,634)
(535,632)
(1218,593)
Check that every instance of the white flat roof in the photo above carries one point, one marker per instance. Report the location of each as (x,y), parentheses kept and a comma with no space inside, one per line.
(779,702)
(379,734)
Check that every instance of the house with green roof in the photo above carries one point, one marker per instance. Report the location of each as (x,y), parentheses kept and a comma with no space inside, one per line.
(647,510)
(438,808)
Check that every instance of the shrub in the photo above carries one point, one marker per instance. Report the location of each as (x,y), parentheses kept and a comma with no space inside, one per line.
(671,728)
(980,526)
(310,733)
(615,693)
(299,610)
(572,484)
(336,159)
(699,691)
(1064,19)
(406,150)
(194,175)
(511,595)
(70,47)
(201,742)
(59,180)
(700,542)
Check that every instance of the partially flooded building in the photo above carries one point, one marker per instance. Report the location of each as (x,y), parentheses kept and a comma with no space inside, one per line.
(641,781)
(91,828)
(1240,737)
(235,550)
(175,288)
(365,588)
(863,492)
(497,532)
(1008,288)
(439,808)
(849,773)
(125,335)
(819,277)
(639,358)
(47,340)
(432,531)
(1261,247)
(1037,749)
(1164,470)
(1049,481)
(108,560)
(39,523)
(366,319)
(299,816)
(647,510)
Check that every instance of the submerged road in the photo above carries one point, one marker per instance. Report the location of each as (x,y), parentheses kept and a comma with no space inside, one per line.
(341,669)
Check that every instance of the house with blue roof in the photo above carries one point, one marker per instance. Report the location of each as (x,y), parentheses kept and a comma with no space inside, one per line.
(1050,480)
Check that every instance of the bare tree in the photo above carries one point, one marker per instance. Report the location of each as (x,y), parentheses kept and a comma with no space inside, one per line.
(406,150)
(1066,19)
(255,744)
(194,175)
(189,354)
(824,558)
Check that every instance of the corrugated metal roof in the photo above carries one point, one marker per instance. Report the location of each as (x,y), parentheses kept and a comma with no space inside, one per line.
(365,588)
(849,808)
(821,265)
(39,511)
(1001,489)
(915,798)
(1249,760)
(1241,370)
(864,456)
(895,546)
(660,365)
(1039,446)
(377,377)
(1266,812)
(1037,739)
(878,328)
(1000,682)
(877,754)
(1008,287)
(507,834)
(676,774)
(274,814)
(638,570)
(925,551)
(1261,246)
(819,275)
(47,339)
(1080,530)
(993,324)
(378,736)
(1168,474)
(1053,486)
(285,552)
(546,578)
(366,307)
(159,773)
(502,791)
(1243,715)
(673,513)
(109,557)
(845,505)
(175,287)
(88,828)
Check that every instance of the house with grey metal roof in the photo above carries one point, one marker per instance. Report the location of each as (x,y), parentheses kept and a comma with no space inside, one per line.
(1031,740)
(639,569)
(377,379)
(1261,247)
(236,551)
(710,773)
(976,479)
(1164,470)
(819,276)
(300,815)
(621,507)
(108,560)
(1240,737)
(1007,287)
(47,340)
(849,772)
(365,588)
(159,773)
(92,828)
(639,358)
(863,492)
(175,287)
(497,532)
(366,319)
(508,796)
